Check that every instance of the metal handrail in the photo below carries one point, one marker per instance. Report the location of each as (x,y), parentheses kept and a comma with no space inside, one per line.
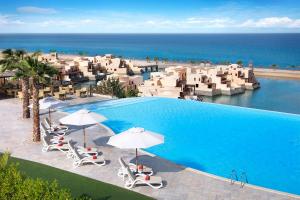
(233,177)
(243,179)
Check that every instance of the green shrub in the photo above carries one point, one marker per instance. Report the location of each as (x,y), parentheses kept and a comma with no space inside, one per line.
(112,87)
(132,93)
(15,185)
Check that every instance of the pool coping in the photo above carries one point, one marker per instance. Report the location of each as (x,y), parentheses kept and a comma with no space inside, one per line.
(218,104)
(202,172)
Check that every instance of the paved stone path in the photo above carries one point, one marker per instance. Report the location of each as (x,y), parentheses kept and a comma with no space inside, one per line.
(180,183)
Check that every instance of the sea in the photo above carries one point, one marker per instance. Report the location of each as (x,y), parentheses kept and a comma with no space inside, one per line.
(280,95)
(263,50)
(283,50)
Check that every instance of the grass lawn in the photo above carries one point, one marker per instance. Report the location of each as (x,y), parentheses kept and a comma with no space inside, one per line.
(77,184)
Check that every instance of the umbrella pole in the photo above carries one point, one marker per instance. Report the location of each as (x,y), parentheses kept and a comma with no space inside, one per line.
(84,144)
(136,159)
(49,113)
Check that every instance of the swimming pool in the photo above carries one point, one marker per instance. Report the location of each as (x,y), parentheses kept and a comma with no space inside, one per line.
(215,138)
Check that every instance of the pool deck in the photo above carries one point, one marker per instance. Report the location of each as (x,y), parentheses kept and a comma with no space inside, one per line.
(179,182)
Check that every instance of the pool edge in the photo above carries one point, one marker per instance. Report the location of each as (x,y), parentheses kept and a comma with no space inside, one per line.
(251,186)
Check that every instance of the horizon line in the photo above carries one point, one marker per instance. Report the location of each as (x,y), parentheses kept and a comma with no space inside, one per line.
(159,33)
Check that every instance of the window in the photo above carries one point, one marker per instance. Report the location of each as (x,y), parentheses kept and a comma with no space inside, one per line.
(197,85)
(194,79)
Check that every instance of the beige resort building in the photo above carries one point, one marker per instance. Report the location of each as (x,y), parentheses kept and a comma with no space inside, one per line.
(178,81)
(88,68)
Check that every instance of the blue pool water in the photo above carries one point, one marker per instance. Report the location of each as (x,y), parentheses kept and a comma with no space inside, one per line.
(215,138)
(262,49)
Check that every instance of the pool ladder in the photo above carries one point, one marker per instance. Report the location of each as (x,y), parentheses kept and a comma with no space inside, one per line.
(234,178)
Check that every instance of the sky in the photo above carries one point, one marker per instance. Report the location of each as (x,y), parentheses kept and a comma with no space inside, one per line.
(150,16)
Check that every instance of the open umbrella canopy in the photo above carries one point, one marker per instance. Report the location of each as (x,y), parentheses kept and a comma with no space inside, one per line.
(82,118)
(136,138)
(50,103)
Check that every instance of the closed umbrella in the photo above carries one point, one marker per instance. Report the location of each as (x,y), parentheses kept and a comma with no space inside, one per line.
(82,118)
(50,103)
(136,138)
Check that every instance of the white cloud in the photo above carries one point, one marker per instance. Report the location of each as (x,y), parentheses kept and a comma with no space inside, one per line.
(36,10)
(210,22)
(111,22)
(272,22)
(7,20)
(87,21)
(151,22)
(61,23)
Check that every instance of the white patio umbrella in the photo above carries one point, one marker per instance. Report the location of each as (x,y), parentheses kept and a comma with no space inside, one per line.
(50,103)
(136,138)
(82,118)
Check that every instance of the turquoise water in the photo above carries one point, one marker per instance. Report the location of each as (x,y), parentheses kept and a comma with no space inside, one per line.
(274,94)
(215,138)
(261,49)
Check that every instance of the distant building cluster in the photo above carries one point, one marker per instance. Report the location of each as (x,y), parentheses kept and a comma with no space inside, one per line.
(78,68)
(179,81)
(173,81)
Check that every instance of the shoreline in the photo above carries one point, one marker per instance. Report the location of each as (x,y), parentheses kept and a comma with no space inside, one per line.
(261,71)
(277,73)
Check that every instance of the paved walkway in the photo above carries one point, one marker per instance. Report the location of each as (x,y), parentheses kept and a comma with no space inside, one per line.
(180,183)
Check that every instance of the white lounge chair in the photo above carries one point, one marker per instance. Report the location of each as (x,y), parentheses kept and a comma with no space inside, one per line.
(55,127)
(91,151)
(81,150)
(80,159)
(53,138)
(122,172)
(49,146)
(48,131)
(154,182)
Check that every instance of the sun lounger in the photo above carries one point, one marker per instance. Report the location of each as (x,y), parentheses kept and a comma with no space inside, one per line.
(81,150)
(81,93)
(53,138)
(80,159)
(88,150)
(144,170)
(55,134)
(154,182)
(54,126)
(49,146)
(51,132)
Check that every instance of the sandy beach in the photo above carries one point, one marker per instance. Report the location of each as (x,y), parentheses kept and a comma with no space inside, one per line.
(277,73)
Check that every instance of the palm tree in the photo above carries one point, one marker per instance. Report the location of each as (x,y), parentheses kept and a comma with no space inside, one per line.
(192,62)
(12,61)
(239,62)
(40,73)
(148,59)
(113,87)
(274,66)
(156,60)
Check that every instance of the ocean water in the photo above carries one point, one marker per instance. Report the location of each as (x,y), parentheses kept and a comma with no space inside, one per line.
(261,49)
(281,95)
(215,138)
